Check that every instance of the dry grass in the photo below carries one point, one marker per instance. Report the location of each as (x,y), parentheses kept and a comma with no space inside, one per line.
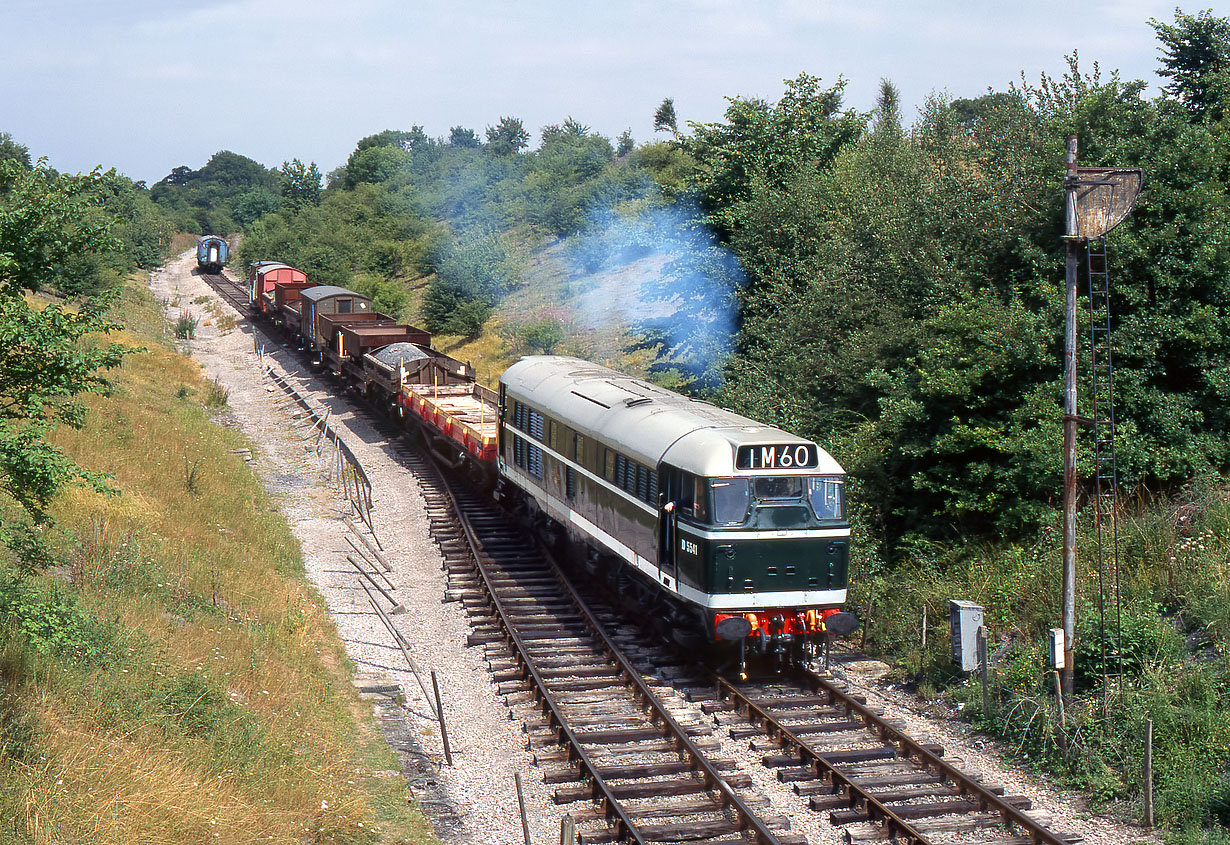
(218,706)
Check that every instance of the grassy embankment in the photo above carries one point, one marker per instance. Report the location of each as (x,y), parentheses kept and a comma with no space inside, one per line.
(175,678)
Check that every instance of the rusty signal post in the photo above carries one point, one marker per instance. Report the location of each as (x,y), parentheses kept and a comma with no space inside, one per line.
(1097,199)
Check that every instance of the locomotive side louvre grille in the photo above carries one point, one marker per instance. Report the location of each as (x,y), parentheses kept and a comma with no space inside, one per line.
(653,488)
(621,472)
(534,462)
(535,427)
(519,452)
(570,483)
(642,483)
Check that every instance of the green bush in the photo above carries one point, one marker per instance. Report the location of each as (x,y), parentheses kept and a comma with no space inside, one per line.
(52,622)
(185,326)
(28,543)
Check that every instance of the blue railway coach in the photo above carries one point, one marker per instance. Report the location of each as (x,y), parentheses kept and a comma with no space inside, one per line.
(211,253)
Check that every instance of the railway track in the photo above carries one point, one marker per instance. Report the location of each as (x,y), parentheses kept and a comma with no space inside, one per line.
(650,776)
(875,781)
(233,293)
(637,773)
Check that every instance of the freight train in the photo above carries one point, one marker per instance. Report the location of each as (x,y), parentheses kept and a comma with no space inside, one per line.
(211,253)
(722,532)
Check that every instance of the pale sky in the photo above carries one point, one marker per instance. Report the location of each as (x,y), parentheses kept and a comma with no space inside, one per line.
(146,85)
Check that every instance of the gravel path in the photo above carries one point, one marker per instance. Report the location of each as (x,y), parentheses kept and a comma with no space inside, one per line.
(475,799)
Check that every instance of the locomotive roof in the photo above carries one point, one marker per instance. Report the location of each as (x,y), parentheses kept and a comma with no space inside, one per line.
(643,420)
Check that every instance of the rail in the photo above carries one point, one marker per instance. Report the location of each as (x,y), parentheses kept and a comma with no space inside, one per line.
(894,826)
(747,820)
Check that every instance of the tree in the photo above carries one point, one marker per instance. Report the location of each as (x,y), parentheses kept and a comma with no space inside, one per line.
(375,164)
(300,184)
(10,150)
(1196,58)
(206,199)
(507,137)
(664,117)
(46,221)
(459,136)
(805,129)
(624,143)
(255,204)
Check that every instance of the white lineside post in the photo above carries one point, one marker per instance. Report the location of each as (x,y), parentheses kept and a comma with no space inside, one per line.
(1068,601)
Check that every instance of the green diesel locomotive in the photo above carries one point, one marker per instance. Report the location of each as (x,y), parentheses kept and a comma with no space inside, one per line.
(724,531)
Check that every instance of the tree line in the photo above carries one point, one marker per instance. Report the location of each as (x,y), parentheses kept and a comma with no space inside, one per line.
(899,290)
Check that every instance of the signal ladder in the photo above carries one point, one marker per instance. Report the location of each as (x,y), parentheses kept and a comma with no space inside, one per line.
(1105,472)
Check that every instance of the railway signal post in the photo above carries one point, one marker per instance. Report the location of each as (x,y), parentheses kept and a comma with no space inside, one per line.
(1097,199)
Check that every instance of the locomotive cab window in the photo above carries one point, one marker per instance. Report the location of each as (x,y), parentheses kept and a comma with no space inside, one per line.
(730,500)
(827,495)
(778,487)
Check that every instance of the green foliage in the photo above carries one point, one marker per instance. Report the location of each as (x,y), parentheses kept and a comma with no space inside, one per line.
(664,117)
(140,227)
(388,297)
(375,164)
(507,137)
(1131,638)
(28,544)
(18,734)
(252,205)
(912,285)
(10,150)
(230,189)
(769,143)
(1196,60)
(197,707)
(471,276)
(216,394)
(460,136)
(46,222)
(562,178)
(43,366)
(624,143)
(668,164)
(53,623)
(541,336)
(53,232)
(301,184)
(361,233)
(185,326)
